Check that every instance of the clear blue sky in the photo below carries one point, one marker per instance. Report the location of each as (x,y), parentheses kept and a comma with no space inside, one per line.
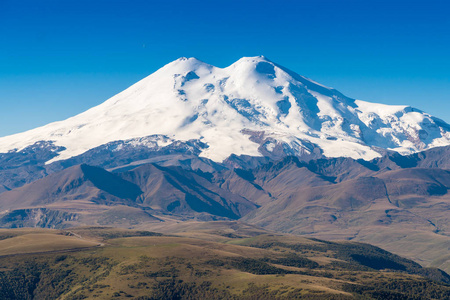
(61,57)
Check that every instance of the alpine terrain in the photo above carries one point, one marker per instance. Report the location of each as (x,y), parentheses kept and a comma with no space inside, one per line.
(193,147)
(253,107)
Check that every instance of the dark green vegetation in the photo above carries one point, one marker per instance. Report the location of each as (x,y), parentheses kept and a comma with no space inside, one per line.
(355,256)
(145,265)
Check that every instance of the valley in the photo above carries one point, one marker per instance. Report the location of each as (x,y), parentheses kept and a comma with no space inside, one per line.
(218,263)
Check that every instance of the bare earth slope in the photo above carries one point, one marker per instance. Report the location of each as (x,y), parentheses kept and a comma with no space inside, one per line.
(387,208)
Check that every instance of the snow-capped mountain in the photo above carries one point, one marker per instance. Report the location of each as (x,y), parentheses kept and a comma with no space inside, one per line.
(253,107)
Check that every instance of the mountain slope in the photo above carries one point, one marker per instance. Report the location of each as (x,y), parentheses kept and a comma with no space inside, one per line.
(147,265)
(75,196)
(253,107)
(416,196)
(175,190)
(401,210)
(85,189)
(83,182)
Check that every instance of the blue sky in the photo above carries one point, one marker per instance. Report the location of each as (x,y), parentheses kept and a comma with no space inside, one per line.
(61,57)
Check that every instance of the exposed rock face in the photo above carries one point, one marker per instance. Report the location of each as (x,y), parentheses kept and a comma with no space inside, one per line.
(37,217)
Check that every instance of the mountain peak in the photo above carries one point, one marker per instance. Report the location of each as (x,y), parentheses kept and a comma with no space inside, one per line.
(260,64)
(183,65)
(253,107)
(252,59)
(189,60)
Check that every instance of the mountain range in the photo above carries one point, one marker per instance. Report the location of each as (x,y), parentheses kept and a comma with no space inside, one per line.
(253,141)
(253,107)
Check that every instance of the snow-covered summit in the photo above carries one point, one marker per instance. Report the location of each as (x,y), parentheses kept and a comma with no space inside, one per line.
(226,108)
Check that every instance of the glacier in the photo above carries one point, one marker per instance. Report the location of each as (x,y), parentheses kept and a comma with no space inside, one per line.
(253,107)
